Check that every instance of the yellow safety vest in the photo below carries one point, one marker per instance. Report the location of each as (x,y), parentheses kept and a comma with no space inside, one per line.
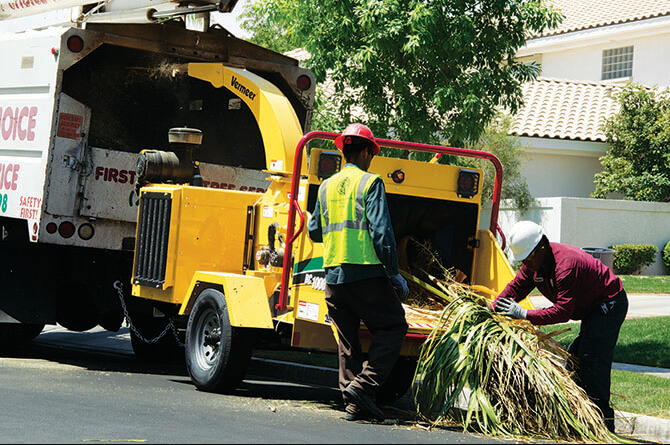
(344,226)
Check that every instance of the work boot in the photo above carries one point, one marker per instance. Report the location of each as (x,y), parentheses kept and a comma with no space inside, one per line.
(365,403)
(352,413)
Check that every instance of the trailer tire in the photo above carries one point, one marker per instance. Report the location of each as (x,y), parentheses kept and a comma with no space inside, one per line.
(398,382)
(14,336)
(217,354)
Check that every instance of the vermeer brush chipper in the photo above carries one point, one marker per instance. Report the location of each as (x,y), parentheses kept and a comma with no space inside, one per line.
(239,271)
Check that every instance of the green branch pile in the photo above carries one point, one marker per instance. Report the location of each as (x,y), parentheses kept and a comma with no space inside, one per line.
(496,375)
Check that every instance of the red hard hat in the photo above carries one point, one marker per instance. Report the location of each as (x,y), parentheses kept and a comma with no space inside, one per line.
(360,131)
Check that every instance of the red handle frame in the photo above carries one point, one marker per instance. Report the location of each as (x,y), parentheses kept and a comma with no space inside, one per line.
(292,234)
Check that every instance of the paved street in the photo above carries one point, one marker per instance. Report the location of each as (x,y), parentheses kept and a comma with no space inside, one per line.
(67,395)
(73,387)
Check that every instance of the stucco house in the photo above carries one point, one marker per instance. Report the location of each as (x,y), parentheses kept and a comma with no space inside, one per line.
(600,46)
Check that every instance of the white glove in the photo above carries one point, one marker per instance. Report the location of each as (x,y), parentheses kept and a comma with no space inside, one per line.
(400,285)
(511,308)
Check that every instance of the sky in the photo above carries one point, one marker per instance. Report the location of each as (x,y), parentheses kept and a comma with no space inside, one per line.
(229,20)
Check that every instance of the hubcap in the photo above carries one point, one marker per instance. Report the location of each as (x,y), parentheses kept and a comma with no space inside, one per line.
(208,339)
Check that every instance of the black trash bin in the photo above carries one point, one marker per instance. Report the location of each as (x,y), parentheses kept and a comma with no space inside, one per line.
(603,254)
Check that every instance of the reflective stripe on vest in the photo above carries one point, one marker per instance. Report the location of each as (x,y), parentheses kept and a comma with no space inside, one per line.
(343,222)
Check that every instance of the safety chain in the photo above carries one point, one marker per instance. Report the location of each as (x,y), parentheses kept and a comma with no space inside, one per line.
(170,326)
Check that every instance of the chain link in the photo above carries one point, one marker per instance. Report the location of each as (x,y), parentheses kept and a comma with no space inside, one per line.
(170,326)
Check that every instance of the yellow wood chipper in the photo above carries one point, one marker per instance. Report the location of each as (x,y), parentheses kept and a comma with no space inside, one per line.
(238,269)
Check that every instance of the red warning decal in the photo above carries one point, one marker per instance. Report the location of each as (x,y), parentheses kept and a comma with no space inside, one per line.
(69,126)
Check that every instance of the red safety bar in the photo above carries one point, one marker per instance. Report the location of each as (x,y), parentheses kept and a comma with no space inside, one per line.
(292,234)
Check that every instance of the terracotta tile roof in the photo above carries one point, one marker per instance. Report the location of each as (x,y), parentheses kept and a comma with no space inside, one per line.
(565,109)
(585,14)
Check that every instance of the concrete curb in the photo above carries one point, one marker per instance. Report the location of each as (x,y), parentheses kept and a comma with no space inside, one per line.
(645,428)
(294,372)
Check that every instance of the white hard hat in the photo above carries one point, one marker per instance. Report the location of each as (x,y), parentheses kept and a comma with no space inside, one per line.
(525,236)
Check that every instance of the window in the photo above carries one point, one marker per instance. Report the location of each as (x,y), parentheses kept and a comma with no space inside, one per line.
(617,62)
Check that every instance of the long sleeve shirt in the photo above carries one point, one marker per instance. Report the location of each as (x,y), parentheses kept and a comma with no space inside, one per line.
(381,232)
(573,280)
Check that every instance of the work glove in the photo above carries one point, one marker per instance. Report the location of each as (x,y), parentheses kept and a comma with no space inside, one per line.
(400,285)
(510,308)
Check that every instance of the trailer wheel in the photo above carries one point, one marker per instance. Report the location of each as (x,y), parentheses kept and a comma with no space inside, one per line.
(217,354)
(398,382)
(14,336)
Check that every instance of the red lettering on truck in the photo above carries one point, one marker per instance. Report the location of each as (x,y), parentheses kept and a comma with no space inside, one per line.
(23,4)
(9,176)
(18,123)
(223,185)
(111,174)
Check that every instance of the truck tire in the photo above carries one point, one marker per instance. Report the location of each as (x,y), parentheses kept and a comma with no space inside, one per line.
(398,382)
(14,336)
(165,350)
(217,354)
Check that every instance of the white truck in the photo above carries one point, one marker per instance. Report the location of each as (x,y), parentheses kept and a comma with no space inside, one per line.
(78,102)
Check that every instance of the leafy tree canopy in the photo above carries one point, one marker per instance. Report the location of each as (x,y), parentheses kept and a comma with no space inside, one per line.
(637,164)
(495,139)
(421,70)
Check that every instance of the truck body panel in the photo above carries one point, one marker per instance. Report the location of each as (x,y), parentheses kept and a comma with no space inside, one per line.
(77,105)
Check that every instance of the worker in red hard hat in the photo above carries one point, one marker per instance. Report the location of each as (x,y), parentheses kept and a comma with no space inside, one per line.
(351,218)
(581,288)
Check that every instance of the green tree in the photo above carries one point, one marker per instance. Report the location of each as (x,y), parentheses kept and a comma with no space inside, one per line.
(496,140)
(637,164)
(263,20)
(421,70)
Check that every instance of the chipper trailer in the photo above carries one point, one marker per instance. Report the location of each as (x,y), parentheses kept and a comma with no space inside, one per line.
(237,268)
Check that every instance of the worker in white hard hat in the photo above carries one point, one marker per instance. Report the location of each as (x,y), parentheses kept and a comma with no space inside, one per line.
(581,288)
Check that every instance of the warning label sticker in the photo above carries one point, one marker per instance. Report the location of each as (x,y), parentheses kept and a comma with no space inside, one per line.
(69,126)
(308,311)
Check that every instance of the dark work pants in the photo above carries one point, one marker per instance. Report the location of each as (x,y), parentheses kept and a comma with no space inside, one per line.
(593,349)
(374,301)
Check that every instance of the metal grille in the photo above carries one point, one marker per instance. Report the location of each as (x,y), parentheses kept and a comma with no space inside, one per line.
(153,232)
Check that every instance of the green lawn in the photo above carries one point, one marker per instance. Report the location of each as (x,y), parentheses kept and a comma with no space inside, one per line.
(642,394)
(638,284)
(642,341)
(644,284)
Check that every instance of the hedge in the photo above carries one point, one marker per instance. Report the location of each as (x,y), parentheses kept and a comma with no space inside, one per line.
(630,258)
(666,255)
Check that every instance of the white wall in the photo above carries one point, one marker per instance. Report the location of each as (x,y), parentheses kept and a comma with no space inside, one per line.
(651,60)
(550,175)
(585,222)
(554,167)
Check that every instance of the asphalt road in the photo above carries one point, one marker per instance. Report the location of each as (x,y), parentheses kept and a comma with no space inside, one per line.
(69,395)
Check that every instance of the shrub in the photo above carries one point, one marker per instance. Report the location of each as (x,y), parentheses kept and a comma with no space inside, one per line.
(666,255)
(630,258)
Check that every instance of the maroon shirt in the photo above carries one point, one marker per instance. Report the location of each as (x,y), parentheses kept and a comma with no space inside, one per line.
(570,278)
